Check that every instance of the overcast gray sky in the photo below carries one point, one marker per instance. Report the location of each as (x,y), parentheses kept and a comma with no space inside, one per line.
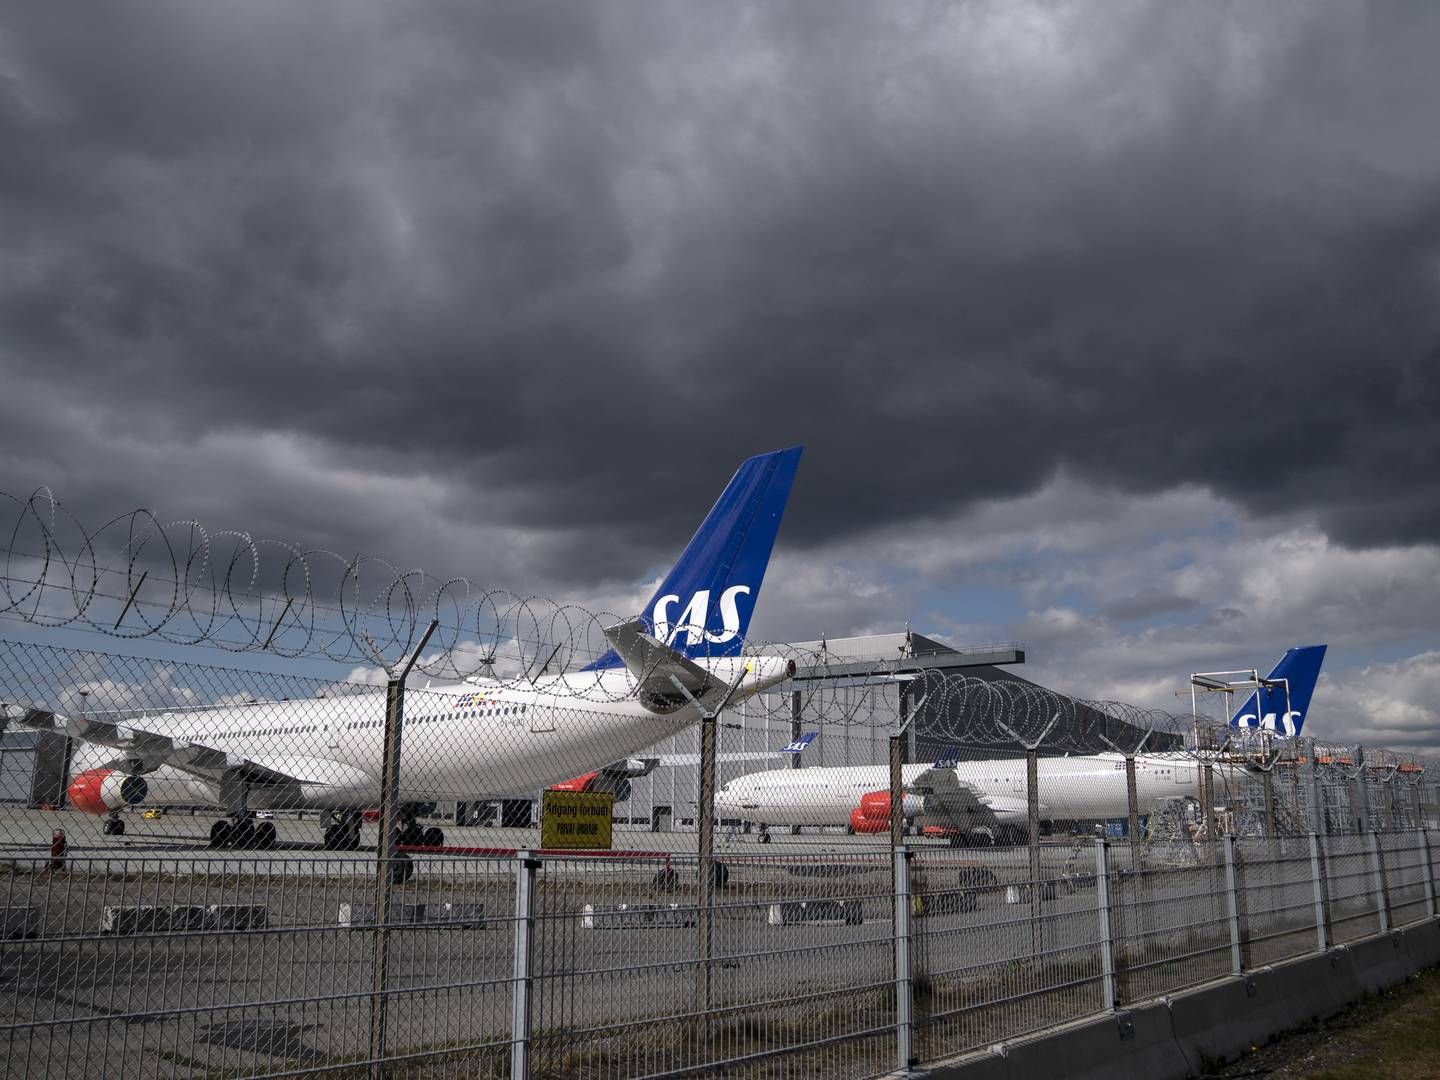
(1113,327)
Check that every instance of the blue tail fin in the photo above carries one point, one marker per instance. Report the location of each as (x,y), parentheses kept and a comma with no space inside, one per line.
(799,745)
(1269,708)
(703,606)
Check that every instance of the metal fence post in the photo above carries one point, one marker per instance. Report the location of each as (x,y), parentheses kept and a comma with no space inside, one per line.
(1210,823)
(1032,801)
(897,792)
(1320,820)
(1267,785)
(1132,807)
(904,1001)
(385,863)
(1377,866)
(1317,877)
(1108,996)
(1232,903)
(520,985)
(897,772)
(1362,792)
(705,892)
(1429,868)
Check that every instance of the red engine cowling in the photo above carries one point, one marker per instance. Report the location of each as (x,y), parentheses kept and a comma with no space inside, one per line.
(98,791)
(873,813)
(859,823)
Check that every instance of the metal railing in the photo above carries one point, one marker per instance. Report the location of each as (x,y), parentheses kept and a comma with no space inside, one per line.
(543,965)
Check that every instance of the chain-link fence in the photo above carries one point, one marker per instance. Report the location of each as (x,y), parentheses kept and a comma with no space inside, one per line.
(784,868)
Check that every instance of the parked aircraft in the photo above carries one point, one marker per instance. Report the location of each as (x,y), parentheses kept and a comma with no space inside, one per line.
(681,655)
(986,800)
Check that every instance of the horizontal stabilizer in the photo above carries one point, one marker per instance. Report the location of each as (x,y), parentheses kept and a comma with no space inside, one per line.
(658,669)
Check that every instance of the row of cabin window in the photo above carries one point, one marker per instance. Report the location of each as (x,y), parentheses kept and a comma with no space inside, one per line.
(274,731)
(507,711)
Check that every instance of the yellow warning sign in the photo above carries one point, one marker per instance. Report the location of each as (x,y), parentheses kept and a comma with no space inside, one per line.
(576,819)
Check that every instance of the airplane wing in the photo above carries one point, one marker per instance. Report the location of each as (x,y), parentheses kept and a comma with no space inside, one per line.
(950,801)
(657,668)
(140,751)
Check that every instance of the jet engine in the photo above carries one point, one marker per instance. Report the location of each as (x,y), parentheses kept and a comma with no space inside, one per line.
(99,791)
(873,813)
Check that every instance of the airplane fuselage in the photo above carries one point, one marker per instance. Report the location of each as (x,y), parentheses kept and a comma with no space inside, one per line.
(1085,788)
(460,740)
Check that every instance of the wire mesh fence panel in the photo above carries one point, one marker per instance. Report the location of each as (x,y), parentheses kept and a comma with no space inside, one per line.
(1276,891)
(803,955)
(1403,857)
(292,868)
(267,967)
(797,980)
(1429,838)
(998,953)
(1170,924)
(1350,881)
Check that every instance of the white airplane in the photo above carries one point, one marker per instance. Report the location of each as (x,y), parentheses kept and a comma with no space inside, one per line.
(476,736)
(985,801)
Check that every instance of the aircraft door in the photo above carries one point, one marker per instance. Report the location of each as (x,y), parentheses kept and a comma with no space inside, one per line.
(541,715)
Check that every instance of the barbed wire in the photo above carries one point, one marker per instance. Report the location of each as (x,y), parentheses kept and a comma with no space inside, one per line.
(139,577)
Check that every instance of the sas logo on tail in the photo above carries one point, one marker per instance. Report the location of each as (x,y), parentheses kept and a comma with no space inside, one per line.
(799,745)
(696,616)
(1284,725)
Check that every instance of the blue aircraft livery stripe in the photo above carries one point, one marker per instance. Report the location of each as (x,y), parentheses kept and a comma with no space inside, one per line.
(703,606)
(1268,708)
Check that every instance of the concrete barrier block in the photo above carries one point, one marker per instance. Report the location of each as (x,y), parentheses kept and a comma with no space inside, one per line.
(1131,1042)
(237,917)
(1422,942)
(1379,961)
(1297,992)
(989,1064)
(151,918)
(635,916)
(947,903)
(459,916)
(1215,1024)
(362,916)
(17,921)
(817,913)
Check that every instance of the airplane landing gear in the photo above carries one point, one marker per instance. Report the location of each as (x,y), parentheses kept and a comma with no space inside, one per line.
(114,825)
(764,837)
(242,832)
(412,834)
(343,831)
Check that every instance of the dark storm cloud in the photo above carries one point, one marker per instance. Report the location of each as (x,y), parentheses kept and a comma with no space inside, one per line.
(568,263)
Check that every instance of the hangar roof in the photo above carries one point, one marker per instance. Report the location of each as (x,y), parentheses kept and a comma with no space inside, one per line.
(899,653)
